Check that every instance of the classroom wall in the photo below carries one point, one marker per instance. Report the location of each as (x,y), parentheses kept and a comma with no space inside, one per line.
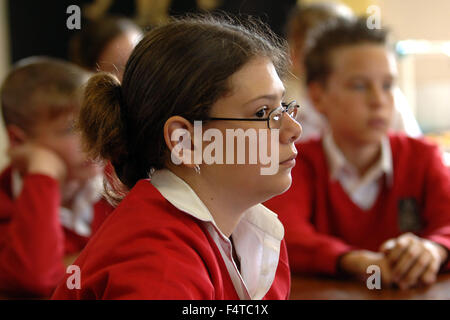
(416,19)
(358,6)
(4,66)
(428,75)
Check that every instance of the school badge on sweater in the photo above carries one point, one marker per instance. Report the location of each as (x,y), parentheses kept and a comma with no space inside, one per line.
(409,219)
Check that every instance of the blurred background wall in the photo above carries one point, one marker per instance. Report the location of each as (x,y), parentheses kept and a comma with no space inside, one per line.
(426,75)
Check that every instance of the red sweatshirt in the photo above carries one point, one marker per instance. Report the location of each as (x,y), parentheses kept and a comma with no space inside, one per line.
(32,241)
(322,222)
(149,249)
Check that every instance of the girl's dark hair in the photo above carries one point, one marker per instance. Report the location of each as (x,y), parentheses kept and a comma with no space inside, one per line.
(87,45)
(334,34)
(181,68)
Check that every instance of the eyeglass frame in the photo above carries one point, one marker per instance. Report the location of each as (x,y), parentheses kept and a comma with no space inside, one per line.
(284,106)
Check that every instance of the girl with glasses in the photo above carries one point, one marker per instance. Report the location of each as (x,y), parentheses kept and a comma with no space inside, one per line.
(189,230)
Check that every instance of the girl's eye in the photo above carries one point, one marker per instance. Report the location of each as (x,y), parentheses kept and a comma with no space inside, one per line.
(261,113)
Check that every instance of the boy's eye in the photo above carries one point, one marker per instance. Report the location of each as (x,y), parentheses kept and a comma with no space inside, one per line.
(358,86)
(262,113)
(65,131)
(68,129)
(387,86)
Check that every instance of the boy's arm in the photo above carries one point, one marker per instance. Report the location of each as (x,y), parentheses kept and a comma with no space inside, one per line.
(437,204)
(32,248)
(32,251)
(309,250)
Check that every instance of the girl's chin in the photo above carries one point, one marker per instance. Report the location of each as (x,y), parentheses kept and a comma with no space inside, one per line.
(282,184)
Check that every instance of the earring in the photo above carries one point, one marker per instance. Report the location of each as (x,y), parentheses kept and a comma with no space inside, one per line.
(197,169)
(151,172)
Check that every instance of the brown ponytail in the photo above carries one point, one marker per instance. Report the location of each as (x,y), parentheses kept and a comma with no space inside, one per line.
(100,118)
(102,128)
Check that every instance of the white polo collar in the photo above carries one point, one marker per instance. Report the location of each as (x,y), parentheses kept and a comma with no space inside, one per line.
(80,216)
(257,237)
(339,165)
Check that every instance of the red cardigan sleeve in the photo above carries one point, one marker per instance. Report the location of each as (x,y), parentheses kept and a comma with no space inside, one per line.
(179,274)
(137,270)
(32,241)
(309,250)
(437,202)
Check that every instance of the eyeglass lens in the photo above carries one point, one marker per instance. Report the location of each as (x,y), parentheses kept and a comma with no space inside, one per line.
(277,115)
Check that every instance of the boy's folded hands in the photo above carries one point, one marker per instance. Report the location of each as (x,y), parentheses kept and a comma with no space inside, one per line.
(413,260)
(406,261)
(355,263)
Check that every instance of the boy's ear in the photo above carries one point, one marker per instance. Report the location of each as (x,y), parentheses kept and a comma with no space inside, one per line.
(16,135)
(316,93)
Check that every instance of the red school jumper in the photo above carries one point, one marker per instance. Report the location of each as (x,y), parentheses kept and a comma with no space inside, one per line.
(149,249)
(322,223)
(32,240)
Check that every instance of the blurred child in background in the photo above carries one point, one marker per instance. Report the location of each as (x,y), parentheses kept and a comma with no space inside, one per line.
(50,200)
(361,196)
(105,44)
(302,20)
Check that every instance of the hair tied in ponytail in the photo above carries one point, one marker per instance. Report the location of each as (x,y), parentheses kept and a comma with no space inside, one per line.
(120,100)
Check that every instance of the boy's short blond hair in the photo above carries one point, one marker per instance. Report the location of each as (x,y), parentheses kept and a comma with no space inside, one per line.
(40,88)
(334,34)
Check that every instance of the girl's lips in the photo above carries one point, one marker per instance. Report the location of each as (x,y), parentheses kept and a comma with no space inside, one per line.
(289,161)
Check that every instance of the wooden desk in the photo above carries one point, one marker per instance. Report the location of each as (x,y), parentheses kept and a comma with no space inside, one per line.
(321,288)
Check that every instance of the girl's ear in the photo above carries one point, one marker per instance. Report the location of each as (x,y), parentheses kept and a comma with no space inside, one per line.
(178,135)
(16,135)
(316,93)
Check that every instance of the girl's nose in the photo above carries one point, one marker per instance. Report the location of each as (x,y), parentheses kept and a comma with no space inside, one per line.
(290,130)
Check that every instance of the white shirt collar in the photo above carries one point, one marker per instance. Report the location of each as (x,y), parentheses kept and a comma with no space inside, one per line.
(339,165)
(257,237)
(181,195)
(80,216)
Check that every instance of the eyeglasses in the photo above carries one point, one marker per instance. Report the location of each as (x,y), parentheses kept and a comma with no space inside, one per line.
(275,116)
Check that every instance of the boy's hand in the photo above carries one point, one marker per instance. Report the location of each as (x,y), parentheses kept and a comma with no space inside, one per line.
(413,260)
(356,263)
(31,158)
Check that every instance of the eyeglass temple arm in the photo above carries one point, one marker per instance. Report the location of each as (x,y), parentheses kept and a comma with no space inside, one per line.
(238,119)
